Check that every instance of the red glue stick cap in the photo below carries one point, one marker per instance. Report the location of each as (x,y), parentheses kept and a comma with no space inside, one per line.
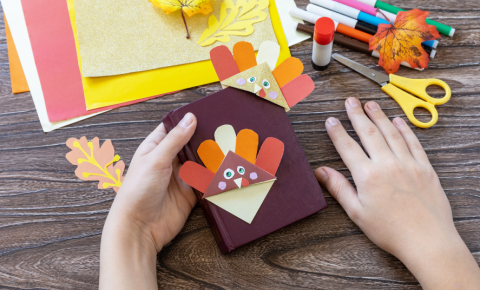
(324,31)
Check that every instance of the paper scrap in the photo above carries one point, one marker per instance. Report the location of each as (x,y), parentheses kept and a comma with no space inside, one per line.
(247,145)
(298,89)
(95,162)
(244,55)
(210,154)
(17,76)
(226,138)
(140,37)
(223,62)
(98,91)
(289,23)
(14,14)
(270,155)
(235,19)
(245,202)
(196,175)
(268,52)
(289,69)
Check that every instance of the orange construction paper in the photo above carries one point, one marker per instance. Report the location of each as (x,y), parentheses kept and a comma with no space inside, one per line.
(244,55)
(17,76)
(196,175)
(298,89)
(289,69)
(270,155)
(211,155)
(223,62)
(247,145)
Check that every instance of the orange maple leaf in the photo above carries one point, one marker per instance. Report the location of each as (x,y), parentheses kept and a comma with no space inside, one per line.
(95,162)
(403,41)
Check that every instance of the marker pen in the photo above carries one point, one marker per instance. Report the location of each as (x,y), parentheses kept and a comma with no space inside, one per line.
(359,15)
(345,20)
(340,28)
(359,5)
(322,43)
(348,42)
(442,28)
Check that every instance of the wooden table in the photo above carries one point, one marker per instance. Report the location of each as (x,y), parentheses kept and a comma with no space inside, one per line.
(51,222)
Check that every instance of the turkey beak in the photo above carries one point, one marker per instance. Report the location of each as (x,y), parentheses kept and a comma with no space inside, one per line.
(238,182)
(257,88)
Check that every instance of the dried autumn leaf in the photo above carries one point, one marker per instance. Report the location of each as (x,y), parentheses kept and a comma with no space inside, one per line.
(190,7)
(95,162)
(403,41)
(235,19)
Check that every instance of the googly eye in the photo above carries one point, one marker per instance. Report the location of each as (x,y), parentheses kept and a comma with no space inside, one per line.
(228,173)
(252,80)
(241,170)
(266,84)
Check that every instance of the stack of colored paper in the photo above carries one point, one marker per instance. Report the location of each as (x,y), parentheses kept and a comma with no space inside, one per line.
(80,58)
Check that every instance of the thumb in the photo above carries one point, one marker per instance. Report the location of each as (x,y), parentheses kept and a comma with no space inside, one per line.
(169,147)
(340,188)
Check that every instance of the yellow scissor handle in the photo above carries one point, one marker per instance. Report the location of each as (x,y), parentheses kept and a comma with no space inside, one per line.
(409,103)
(419,87)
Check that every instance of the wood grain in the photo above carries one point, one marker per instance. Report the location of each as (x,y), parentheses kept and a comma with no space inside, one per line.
(51,222)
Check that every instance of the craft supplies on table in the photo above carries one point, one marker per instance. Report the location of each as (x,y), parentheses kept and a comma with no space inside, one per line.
(395,86)
(322,43)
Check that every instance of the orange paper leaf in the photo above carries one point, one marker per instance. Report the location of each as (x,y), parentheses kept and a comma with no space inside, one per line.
(95,162)
(403,41)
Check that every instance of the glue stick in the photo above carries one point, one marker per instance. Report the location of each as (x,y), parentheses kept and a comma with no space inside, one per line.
(322,43)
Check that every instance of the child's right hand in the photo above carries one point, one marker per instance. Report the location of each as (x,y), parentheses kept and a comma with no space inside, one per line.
(399,202)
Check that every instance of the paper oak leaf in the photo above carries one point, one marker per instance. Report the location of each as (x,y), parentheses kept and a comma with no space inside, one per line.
(95,162)
(403,41)
(190,7)
(235,19)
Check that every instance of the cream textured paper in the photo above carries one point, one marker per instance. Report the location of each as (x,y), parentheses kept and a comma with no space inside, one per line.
(123,36)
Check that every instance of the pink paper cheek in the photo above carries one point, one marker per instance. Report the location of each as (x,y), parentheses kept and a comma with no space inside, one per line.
(273,95)
(253,176)
(222,185)
(241,81)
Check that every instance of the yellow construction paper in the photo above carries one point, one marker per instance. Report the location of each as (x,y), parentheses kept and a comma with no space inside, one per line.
(244,202)
(226,138)
(124,36)
(111,90)
(235,19)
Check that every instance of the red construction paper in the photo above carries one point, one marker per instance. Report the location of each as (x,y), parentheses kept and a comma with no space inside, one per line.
(270,155)
(288,70)
(196,175)
(211,155)
(247,145)
(223,62)
(252,173)
(298,89)
(53,46)
(244,55)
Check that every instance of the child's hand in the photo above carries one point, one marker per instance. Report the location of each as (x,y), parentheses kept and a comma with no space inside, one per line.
(399,202)
(149,210)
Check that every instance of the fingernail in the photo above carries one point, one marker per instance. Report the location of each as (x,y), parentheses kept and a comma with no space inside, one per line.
(372,106)
(399,122)
(353,102)
(332,121)
(321,175)
(186,121)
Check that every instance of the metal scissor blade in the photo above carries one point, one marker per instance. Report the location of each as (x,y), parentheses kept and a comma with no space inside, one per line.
(381,79)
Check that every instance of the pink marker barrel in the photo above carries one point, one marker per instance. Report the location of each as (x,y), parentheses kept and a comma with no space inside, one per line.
(359,5)
(322,43)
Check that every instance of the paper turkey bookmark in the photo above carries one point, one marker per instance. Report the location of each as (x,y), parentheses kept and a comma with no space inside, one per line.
(283,85)
(235,178)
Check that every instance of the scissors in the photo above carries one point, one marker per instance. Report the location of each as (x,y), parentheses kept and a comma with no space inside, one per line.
(393,84)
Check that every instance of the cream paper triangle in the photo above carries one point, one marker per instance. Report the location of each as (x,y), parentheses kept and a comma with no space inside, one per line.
(245,202)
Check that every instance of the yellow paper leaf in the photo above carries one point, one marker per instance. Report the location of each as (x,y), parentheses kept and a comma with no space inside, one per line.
(235,19)
(95,162)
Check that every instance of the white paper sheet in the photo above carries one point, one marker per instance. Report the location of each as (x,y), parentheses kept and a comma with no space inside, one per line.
(289,23)
(16,21)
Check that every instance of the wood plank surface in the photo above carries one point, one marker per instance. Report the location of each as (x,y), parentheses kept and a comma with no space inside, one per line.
(51,222)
